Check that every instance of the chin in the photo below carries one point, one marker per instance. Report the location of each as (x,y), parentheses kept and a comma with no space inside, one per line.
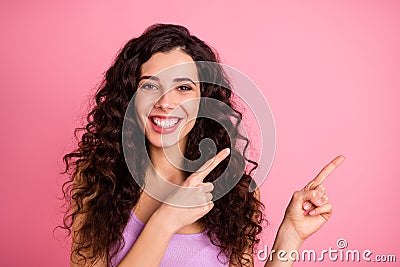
(165,143)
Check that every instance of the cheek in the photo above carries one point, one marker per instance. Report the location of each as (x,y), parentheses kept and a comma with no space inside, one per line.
(143,105)
(192,108)
(187,128)
(141,112)
(192,112)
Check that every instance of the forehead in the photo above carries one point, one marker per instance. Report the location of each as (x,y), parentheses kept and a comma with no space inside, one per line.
(175,63)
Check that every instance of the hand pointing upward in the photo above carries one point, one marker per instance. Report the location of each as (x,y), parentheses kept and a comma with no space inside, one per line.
(309,208)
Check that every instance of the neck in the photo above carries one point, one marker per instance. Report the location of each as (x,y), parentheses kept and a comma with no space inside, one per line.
(168,162)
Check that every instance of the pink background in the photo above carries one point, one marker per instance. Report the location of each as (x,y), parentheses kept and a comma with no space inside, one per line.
(329,69)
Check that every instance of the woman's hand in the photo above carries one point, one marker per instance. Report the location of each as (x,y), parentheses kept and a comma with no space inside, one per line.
(309,208)
(194,197)
(307,212)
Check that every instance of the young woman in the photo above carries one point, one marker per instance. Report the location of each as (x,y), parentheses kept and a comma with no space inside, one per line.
(115,217)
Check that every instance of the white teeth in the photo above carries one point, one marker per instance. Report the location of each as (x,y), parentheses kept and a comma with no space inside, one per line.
(166,123)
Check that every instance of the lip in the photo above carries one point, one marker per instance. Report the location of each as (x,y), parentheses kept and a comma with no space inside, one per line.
(161,130)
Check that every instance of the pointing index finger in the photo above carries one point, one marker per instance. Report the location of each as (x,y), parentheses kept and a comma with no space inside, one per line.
(324,173)
(210,164)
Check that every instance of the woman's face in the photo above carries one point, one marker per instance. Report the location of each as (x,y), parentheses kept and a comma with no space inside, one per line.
(167,98)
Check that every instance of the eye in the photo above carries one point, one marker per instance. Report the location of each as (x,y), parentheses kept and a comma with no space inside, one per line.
(185,88)
(148,86)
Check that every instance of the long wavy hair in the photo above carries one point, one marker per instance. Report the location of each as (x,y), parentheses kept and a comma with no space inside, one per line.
(101,188)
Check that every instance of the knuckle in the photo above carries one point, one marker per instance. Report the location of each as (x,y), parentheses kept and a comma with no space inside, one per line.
(297,195)
(208,187)
(211,186)
(205,208)
(322,188)
(313,194)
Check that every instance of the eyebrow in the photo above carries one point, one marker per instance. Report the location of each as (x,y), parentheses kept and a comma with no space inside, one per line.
(176,80)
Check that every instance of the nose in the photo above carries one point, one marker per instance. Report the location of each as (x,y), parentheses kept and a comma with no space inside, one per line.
(166,101)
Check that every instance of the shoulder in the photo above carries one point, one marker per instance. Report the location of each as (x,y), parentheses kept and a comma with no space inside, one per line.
(257,194)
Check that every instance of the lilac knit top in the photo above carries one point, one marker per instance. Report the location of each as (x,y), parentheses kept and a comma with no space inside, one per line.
(191,250)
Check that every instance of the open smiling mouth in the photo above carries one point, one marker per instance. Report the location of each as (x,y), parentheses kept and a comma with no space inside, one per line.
(163,124)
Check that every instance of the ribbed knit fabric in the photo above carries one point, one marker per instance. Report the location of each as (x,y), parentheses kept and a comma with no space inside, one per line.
(186,250)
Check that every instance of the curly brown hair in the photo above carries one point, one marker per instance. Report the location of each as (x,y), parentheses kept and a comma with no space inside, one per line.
(101,186)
